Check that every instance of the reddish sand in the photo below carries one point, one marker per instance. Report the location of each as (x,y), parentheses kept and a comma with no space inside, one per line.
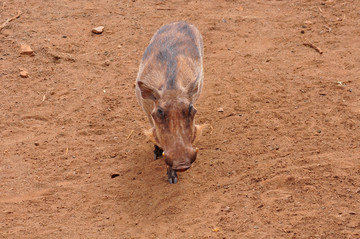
(282,159)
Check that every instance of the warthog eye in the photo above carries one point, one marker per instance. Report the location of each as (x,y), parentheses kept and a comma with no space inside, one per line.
(159,115)
(192,109)
(160,112)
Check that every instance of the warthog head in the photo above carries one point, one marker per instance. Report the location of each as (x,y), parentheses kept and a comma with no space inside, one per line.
(174,128)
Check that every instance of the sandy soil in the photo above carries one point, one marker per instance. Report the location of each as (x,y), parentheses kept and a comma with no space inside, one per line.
(282,160)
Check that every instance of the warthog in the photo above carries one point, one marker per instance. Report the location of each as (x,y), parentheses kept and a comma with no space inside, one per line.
(168,83)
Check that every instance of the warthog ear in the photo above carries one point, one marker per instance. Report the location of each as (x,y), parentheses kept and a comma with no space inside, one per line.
(148,92)
(192,88)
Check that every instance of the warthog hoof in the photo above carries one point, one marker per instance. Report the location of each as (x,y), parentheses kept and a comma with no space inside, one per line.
(172,176)
(157,152)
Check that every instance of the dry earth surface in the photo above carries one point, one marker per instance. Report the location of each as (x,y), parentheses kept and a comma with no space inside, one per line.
(282,159)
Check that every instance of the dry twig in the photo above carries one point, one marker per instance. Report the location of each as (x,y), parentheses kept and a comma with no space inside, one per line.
(10,19)
(132,131)
(313,47)
(328,28)
(212,129)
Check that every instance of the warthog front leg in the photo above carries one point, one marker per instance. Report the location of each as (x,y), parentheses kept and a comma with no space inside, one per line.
(172,176)
(158,152)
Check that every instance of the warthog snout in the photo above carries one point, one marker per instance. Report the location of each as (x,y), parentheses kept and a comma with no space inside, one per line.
(182,162)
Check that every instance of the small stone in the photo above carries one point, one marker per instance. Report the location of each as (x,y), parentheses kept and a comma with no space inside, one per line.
(98,30)
(306,24)
(107,63)
(24,74)
(274,147)
(227,209)
(220,109)
(26,50)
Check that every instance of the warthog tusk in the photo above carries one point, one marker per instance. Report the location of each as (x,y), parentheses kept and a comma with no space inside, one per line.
(197,150)
(163,153)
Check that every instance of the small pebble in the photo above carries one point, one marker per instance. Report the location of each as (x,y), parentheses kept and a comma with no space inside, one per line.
(26,50)
(220,109)
(227,209)
(98,30)
(24,74)
(107,63)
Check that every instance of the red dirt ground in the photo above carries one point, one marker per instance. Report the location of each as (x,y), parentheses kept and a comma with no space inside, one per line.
(282,160)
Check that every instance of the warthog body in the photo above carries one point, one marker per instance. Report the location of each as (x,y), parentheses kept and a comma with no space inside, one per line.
(169,82)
